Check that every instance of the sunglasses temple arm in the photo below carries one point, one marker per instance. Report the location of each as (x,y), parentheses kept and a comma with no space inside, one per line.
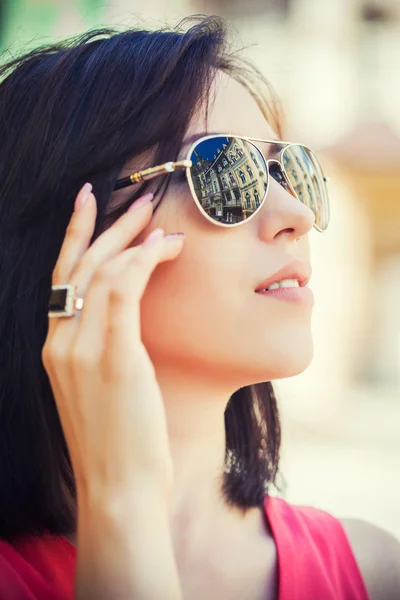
(152,172)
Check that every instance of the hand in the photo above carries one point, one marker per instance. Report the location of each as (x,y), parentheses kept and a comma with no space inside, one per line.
(104,384)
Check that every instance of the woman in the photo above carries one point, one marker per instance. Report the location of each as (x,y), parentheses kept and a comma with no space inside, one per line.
(139,429)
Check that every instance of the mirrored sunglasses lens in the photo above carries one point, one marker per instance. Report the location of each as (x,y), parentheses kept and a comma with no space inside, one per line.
(229,178)
(305,175)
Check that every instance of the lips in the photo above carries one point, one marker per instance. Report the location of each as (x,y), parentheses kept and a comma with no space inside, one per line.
(295,269)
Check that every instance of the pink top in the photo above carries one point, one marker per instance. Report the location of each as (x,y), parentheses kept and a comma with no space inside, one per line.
(315,560)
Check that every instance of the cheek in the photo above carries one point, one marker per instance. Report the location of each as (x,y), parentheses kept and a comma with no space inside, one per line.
(200,312)
(184,305)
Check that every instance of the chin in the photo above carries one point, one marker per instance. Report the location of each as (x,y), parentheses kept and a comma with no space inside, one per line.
(295,361)
(286,360)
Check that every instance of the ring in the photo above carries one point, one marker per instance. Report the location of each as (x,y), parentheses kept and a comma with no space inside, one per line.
(63,301)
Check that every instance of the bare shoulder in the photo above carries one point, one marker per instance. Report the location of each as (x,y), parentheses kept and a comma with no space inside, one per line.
(378,555)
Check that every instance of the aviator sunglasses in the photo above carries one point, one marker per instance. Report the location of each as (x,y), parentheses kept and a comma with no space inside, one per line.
(229,177)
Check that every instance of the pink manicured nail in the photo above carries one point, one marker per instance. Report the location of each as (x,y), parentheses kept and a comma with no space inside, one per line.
(82,196)
(141,201)
(154,236)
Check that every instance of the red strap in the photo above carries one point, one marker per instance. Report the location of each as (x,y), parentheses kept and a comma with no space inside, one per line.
(314,554)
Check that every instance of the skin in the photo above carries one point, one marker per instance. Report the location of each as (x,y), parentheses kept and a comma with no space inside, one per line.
(207,333)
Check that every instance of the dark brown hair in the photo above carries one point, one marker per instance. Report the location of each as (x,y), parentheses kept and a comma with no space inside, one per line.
(73,112)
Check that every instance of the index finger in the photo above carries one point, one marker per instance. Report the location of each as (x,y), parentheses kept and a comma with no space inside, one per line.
(77,237)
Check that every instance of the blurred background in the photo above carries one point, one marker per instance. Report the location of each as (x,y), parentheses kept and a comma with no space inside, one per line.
(336,67)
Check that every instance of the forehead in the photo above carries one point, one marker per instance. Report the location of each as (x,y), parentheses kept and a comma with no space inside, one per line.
(232,109)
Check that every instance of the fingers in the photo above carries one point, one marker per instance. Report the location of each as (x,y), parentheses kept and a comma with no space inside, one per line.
(112,242)
(110,319)
(104,260)
(82,348)
(78,235)
(90,337)
(76,242)
(75,248)
(77,262)
(124,335)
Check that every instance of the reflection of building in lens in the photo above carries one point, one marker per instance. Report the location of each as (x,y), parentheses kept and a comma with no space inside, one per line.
(230,181)
(306,180)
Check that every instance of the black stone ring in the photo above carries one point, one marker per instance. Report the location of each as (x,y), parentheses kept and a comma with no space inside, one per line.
(64,301)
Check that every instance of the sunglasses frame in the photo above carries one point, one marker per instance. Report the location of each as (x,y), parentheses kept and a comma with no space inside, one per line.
(170,167)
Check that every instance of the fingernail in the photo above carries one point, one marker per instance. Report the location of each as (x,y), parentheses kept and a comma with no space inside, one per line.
(154,236)
(174,236)
(82,196)
(141,201)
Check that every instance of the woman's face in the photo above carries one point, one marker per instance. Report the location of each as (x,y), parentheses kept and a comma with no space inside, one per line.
(200,313)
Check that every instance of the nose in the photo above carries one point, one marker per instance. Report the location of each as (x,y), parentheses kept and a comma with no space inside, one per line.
(283,214)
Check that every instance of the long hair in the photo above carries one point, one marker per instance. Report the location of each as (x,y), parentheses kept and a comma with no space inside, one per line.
(72,112)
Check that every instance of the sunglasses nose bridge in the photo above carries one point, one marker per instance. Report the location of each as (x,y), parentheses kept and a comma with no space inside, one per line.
(279,163)
(274,161)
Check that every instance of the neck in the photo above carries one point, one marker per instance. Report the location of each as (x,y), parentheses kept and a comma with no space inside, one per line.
(195,412)
(196,429)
